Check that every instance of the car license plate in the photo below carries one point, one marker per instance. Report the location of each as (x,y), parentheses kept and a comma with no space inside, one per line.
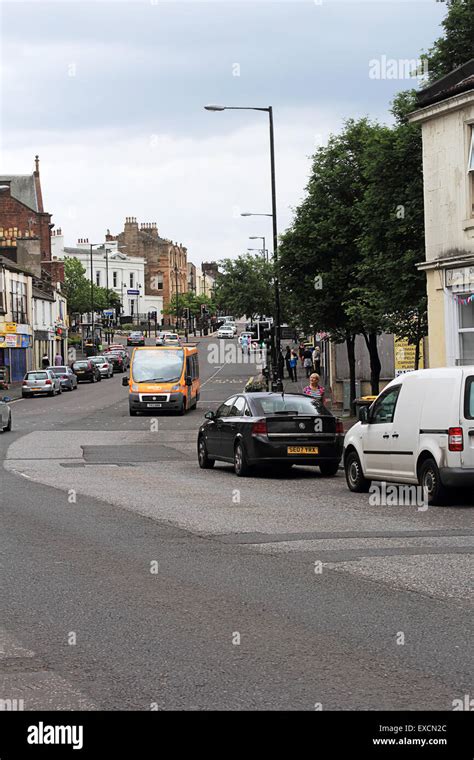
(302,450)
(36,389)
(155,405)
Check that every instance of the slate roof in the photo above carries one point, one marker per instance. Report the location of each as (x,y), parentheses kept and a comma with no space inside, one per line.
(23,188)
(457,81)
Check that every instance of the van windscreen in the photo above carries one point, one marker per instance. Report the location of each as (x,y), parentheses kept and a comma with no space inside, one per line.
(157,365)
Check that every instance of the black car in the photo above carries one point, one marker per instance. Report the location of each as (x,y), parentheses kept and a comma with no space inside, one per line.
(271,428)
(118,360)
(136,339)
(86,371)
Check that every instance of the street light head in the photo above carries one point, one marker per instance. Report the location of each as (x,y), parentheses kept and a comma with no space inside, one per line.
(213,107)
(246,213)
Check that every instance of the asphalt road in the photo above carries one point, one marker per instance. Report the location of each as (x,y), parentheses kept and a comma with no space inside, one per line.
(131,579)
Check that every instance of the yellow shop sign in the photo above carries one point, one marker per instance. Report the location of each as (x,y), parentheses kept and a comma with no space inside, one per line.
(10,327)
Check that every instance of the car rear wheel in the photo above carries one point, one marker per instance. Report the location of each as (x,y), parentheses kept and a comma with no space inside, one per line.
(241,466)
(429,478)
(205,461)
(355,478)
(8,425)
(329,469)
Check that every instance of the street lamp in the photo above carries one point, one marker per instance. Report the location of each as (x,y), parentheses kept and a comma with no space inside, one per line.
(176,271)
(248,213)
(268,110)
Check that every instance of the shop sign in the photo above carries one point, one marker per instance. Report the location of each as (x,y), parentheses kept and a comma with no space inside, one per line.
(10,327)
(462,277)
(405,356)
(10,341)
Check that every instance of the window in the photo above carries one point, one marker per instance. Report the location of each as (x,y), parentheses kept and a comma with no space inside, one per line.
(97,278)
(238,410)
(466,332)
(470,170)
(384,409)
(132,279)
(115,279)
(18,302)
(158,280)
(225,408)
(3,300)
(469,399)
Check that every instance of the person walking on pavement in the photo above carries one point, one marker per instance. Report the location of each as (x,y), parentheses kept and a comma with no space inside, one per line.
(58,360)
(314,389)
(308,361)
(287,361)
(293,366)
(45,361)
(301,352)
(317,360)
(244,344)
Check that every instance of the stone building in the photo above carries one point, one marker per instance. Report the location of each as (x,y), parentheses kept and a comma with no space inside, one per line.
(165,260)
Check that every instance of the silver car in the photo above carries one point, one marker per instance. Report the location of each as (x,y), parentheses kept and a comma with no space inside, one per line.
(66,376)
(5,415)
(106,368)
(41,381)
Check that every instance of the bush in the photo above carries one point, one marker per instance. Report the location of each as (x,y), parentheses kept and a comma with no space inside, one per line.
(128,327)
(74,340)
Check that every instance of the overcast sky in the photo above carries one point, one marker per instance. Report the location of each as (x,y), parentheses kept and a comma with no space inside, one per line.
(111,96)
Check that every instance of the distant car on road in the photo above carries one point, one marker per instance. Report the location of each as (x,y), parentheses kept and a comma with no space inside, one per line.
(136,338)
(230,325)
(66,377)
(40,381)
(117,360)
(168,339)
(5,415)
(86,371)
(225,332)
(251,429)
(105,367)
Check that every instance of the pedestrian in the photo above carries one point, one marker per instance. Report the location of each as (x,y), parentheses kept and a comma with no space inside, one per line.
(308,361)
(281,364)
(317,360)
(314,389)
(293,366)
(287,361)
(301,350)
(244,343)
(58,360)
(45,361)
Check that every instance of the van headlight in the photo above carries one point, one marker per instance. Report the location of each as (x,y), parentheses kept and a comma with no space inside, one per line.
(175,388)
(134,388)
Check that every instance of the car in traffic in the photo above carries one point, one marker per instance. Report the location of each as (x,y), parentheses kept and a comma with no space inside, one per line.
(5,415)
(105,367)
(136,338)
(118,359)
(418,431)
(168,339)
(252,429)
(225,332)
(40,382)
(230,325)
(66,377)
(86,371)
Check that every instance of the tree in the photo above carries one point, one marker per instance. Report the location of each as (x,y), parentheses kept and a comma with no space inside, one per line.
(244,286)
(457,45)
(78,290)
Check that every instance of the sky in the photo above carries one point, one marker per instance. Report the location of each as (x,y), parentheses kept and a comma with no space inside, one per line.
(110,94)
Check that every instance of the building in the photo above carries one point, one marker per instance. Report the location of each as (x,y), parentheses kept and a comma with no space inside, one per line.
(114,269)
(165,261)
(201,281)
(446,115)
(16,333)
(50,323)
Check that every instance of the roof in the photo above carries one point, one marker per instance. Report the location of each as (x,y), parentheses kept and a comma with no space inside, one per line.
(23,189)
(456,82)
(12,266)
(41,294)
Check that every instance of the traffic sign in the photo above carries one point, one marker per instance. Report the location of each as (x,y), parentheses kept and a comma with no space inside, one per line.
(133,292)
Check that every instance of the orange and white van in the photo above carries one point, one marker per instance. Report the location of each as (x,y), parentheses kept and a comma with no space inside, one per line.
(163,377)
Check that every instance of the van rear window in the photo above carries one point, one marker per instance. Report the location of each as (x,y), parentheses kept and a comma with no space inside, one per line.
(469,399)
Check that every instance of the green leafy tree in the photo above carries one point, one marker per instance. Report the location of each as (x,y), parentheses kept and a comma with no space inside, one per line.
(78,290)
(244,286)
(456,46)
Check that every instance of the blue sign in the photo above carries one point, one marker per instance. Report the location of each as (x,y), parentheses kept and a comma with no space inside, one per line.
(133,292)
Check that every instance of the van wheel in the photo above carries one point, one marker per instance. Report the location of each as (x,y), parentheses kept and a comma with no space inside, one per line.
(329,469)
(354,475)
(205,461)
(182,411)
(429,479)
(132,412)
(241,466)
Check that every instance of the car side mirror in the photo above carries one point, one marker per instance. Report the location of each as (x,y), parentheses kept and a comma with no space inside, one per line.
(125,381)
(364,415)
(189,380)
(210,415)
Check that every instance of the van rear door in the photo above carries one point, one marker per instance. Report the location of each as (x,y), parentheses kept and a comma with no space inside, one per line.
(467,417)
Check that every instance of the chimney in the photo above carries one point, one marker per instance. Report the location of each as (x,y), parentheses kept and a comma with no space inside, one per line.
(39,196)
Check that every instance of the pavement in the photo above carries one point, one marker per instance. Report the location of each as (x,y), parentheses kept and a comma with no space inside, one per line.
(132,578)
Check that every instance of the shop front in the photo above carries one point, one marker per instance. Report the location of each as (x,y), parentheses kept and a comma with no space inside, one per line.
(15,350)
(459,312)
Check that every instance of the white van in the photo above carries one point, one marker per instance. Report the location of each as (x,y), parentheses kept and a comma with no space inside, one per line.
(420,429)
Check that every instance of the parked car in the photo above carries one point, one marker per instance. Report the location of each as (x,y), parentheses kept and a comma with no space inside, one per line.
(136,338)
(5,415)
(105,367)
(66,376)
(117,360)
(86,371)
(225,332)
(124,354)
(252,429)
(232,326)
(419,430)
(40,381)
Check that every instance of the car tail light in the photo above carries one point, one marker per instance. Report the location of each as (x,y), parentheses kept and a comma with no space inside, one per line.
(455,439)
(259,428)
(47,382)
(339,427)
(63,377)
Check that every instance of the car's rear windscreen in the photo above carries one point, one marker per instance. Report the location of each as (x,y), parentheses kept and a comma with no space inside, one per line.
(289,405)
(37,376)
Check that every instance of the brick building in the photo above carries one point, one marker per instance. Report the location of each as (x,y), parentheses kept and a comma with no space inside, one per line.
(165,261)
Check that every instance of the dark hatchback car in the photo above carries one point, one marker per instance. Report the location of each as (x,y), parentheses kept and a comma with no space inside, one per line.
(86,371)
(252,429)
(136,339)
(118,359)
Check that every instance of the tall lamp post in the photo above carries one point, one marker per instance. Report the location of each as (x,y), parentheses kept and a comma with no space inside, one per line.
(269,111)
(176,271)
